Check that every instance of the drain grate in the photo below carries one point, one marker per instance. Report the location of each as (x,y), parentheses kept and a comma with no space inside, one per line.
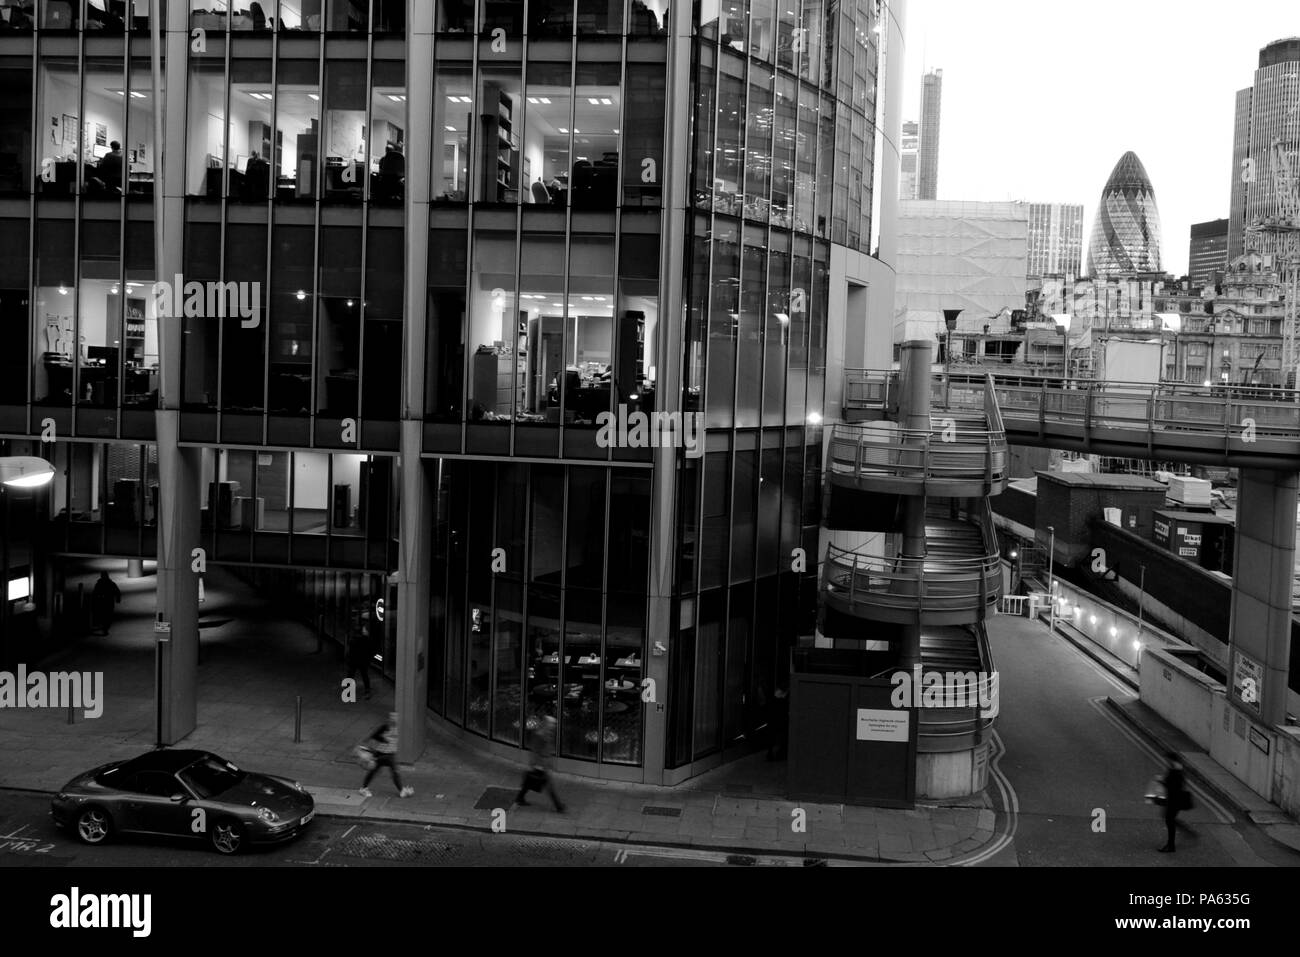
(494,798)
(659,811)
(377,847)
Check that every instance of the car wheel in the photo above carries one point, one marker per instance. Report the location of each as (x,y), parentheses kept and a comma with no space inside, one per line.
(228,837)
(94,825)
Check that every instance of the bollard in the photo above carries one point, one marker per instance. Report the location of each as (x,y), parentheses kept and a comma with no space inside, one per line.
(297,721)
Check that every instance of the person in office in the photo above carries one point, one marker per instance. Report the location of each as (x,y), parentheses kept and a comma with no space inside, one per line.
(109,171)
(257,177)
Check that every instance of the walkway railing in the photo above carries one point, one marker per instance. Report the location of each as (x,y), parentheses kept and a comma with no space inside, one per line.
(934,583)
(928,455)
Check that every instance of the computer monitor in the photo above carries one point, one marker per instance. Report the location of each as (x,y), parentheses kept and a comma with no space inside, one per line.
(241,163)
(100,151)
(102,355)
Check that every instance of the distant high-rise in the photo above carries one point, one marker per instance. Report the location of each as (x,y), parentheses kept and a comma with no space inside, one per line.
(1126,234)
(927,166)
(1266,112)
(907,160)
(1055,239)
(1208,251)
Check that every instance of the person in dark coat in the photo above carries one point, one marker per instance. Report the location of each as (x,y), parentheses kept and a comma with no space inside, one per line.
(108,173)
(102,599)
(1177,798)
(541,742)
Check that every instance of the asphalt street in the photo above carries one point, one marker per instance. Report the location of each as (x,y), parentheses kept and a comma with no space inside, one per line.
(1071,776)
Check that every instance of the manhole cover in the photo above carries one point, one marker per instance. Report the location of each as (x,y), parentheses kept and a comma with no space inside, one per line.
(662,811)
(377,847)
(494,798)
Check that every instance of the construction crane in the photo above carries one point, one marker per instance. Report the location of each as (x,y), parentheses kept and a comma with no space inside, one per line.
(1284,228)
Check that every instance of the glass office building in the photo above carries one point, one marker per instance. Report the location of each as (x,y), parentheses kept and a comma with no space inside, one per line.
(1126,233)
(417,256)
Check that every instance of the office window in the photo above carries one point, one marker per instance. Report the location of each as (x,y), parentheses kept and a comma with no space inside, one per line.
(728,160)
(445,336)
(243,349)
(494,318)
(649,18)
(643,138)
(600,17)
(776,328)
(624,659)
(731,24)
(714,527)
(498,146)
(723,320)
(783,156)
(455,16)
(542,325)
(697,325)
(347,16)
(585,518)
(810,39)
(805,169)
(57,15)
(800,304)
(588,345)
(339,360)
(200,342)
(629,532)
(387,140)
(507,15)
(761,30)
(550,19)
(344,130)
(546,525)
(311,504)
(749,328)
(381,352)
(348,513)
(292,299)
(758,163)
(16,126)
(138,153)
(508,646)
(60,129)
(18,17)
(547,116)
(453,121)
(300,15)
(255,162)
(298,132)
(98,353)
(205,135)
(637,328)
(705,117)
(140,319)
(104,129)
(581,671)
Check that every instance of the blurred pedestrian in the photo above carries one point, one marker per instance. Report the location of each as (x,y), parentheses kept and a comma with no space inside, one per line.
(1177,798)
(102,599)
(357,652)
(382,743)
(541,742)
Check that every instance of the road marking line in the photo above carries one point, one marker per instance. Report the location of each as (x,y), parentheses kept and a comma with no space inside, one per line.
(1010,802)
(1099,704)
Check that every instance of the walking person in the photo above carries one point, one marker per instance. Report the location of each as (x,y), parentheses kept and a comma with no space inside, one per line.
(541,743)
(382,743)
(1177,798)
(102,599)
(357,653)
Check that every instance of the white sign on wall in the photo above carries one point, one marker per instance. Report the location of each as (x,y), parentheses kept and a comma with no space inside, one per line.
(882,724)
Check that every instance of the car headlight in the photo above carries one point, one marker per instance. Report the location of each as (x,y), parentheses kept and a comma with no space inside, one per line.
(266,814)
(298,787)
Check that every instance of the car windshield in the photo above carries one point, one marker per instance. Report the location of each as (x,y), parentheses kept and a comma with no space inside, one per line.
(209,777)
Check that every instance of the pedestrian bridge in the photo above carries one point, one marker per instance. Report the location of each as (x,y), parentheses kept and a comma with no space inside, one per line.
(1236,426)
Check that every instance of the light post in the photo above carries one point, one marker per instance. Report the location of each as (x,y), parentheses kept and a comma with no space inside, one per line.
(1063,320)
(1051,581)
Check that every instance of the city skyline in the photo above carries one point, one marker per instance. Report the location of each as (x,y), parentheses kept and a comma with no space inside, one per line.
(982,51)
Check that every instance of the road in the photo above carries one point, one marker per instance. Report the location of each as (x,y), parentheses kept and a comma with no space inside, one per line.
(28,838)
(1069,766)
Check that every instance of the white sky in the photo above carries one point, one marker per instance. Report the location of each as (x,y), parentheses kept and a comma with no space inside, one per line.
(1042,97)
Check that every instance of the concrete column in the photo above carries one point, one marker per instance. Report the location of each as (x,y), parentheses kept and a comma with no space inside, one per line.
(660,624)
(1259,635)
(914,414)
(179,473)
(415,498)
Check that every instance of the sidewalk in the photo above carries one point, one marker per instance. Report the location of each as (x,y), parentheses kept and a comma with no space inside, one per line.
(1202,768)
(255,663)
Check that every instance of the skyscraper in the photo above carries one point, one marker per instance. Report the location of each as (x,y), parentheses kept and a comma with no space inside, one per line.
(1055,239)
(1208,251)
(907,162)
(927,167)
(1126,233)
(1265,112)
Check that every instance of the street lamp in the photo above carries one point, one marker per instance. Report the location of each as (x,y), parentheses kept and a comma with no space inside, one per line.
(24,471)
(1063,320)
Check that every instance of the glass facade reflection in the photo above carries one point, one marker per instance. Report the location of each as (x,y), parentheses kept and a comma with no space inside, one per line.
(532,207)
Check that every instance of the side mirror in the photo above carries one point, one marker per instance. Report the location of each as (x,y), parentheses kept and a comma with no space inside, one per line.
(179,798)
